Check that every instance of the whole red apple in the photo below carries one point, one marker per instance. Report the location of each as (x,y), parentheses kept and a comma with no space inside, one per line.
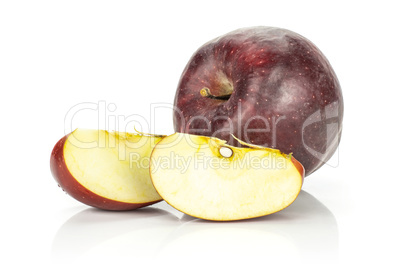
(267,86)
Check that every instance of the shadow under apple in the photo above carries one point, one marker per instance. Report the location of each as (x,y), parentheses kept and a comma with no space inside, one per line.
(306,230)
(93,228)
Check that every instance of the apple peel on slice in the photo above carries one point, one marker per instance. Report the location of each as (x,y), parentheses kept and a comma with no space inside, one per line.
(106,170)
(206,178)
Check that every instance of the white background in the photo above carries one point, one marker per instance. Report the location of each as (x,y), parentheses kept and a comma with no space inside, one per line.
(55,55)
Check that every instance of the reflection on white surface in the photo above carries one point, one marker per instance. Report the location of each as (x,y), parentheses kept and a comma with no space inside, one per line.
(305,231)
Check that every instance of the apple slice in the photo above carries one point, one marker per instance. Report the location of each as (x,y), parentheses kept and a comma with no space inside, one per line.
(107,170)
(208,179)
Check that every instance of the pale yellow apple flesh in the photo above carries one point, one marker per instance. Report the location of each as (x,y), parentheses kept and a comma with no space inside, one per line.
(111,165)
(206,178)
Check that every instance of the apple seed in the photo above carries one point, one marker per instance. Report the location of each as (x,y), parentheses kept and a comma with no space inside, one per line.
(225,151)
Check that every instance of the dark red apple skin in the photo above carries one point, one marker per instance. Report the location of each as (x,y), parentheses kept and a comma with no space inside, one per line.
(299,168)
(71,186)
(285,94)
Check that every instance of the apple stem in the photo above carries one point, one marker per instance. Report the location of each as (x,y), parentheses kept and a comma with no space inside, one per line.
(205,92)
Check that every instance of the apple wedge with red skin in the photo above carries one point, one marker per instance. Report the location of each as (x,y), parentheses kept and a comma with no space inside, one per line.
(106,170)
(206,178)
(267,86)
